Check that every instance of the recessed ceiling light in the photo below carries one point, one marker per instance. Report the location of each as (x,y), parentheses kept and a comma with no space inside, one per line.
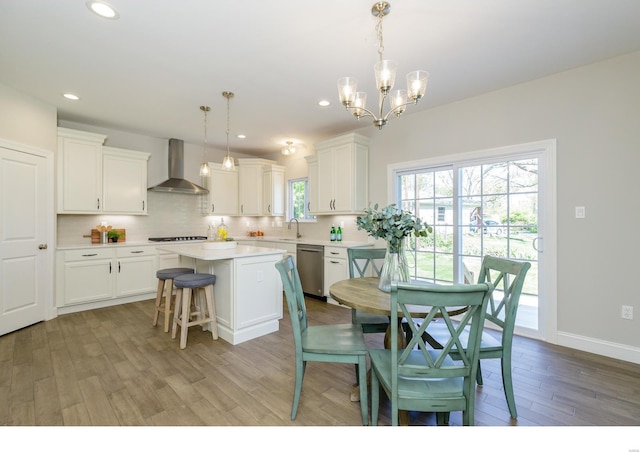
(324,103)
(71,96)
(241,136)
(103,9)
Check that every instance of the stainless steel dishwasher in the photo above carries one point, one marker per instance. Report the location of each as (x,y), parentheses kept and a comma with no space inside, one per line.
(310,263)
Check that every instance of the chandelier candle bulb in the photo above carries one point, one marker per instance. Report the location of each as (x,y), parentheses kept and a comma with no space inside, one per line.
(385,72)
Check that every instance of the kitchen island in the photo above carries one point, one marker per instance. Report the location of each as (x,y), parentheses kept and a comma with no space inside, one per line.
(248,289)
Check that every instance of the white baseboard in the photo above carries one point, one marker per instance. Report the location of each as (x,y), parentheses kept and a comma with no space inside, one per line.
(599,347)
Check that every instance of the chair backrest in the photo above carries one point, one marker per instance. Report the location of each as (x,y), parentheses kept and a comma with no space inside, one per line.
(417,359)
(507,276)
(360,259)
(295,299)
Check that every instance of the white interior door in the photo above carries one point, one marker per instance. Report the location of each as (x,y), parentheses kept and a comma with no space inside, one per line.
(23,232)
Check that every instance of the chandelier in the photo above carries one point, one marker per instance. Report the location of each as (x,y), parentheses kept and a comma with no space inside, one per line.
(228,162)
(204,168)
(385,73)
(289,150)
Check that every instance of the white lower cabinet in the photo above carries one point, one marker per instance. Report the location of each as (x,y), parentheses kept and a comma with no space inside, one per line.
(86,275)
(335,267)
(105,276)
(136,269)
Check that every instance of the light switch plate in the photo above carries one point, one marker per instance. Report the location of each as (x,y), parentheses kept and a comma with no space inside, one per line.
(580,212)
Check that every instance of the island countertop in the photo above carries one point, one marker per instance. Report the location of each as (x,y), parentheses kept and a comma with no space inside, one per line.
(197,251)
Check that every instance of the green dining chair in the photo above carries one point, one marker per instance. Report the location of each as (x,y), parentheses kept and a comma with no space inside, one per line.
(508,277)
(421,378)
(367,262)
(342,343)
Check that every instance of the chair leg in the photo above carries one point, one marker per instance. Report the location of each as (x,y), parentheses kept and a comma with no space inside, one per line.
(167,304)
(375,398)
(211,311)
(362,381)
(507,383)
(177,313)
(442,417)
(479,375)
(158,301)
(186,315)
(297,389)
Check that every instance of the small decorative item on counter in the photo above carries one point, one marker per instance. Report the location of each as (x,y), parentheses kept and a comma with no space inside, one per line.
(104,230)
(332,235)
(211,234)
(339,234)
(222,230)
(114,235)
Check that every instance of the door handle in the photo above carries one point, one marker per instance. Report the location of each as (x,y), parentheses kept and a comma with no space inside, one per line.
(42,246)
(137,252)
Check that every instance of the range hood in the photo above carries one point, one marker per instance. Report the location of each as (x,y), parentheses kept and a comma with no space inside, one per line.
(176,182)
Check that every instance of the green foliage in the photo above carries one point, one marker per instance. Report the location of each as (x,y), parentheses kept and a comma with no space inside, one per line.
(392,224)
(114,234)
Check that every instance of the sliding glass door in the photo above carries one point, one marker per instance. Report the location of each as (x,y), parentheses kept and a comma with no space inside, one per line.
(485,205)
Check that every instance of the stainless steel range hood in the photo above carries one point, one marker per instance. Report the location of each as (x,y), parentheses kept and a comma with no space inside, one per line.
(176,182)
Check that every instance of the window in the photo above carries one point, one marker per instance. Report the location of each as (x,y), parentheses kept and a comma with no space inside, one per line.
(493,202)
(299,199)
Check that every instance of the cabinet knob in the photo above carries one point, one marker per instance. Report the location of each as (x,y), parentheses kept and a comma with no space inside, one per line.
(42,246)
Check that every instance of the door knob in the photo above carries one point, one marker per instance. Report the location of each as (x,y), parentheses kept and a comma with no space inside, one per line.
(42,246)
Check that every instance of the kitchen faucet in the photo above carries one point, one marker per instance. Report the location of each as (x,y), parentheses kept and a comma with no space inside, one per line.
(298,235)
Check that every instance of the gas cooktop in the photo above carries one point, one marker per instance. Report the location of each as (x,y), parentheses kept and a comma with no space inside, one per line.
(177,239)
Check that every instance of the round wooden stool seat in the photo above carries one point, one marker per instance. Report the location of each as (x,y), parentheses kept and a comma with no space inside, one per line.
(198,286)
(165,281)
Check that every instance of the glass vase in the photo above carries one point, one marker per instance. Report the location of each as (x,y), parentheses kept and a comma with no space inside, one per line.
(395,267)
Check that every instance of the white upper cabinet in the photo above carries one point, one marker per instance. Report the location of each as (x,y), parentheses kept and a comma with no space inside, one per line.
(260,187)
(273,190)
(222,184)
(93,178)
(79,171)
(312,182)
(342,174)
(124,181)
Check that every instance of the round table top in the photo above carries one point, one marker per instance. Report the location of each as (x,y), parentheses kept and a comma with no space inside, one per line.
(363,294)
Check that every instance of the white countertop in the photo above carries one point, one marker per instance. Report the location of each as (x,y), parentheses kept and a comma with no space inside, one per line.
(257,240)
(197,251)
(306,241)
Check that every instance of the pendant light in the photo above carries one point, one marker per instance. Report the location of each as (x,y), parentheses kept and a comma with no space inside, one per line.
(204,168)
(228,162)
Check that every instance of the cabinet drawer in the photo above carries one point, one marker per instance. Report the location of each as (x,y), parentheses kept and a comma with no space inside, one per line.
(88,254)
(136,251)
(335,252)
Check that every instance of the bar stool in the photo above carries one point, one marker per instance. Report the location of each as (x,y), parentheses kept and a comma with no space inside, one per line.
(165,278)
(198,286)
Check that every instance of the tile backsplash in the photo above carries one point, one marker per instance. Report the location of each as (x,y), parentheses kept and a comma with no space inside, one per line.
(173,214)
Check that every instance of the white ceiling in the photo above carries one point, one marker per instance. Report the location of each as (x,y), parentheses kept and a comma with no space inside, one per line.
(150,71)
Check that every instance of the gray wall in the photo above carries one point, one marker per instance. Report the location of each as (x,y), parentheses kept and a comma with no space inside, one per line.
(592,111)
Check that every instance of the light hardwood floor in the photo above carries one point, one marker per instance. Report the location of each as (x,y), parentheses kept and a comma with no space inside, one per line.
(111,367)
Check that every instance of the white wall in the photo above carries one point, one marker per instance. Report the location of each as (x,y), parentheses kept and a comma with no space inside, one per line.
(26,120)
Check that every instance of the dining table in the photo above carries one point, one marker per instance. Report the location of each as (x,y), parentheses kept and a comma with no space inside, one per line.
(364,294)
